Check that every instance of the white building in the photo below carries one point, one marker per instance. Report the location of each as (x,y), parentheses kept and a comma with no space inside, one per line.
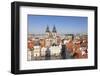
(43,51)
(55,50)
(36,51)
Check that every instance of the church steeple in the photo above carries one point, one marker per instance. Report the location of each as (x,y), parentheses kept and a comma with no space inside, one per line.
(47,29)
(54,29)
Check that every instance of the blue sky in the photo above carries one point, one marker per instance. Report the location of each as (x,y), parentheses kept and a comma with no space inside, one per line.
(64,24)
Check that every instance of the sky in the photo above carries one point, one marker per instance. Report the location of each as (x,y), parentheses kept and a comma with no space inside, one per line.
(37,24)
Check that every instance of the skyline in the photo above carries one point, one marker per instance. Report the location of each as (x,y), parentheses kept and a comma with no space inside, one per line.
(37,24)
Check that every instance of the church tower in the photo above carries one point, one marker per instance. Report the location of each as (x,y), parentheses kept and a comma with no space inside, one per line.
(54,32)
(47,31)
